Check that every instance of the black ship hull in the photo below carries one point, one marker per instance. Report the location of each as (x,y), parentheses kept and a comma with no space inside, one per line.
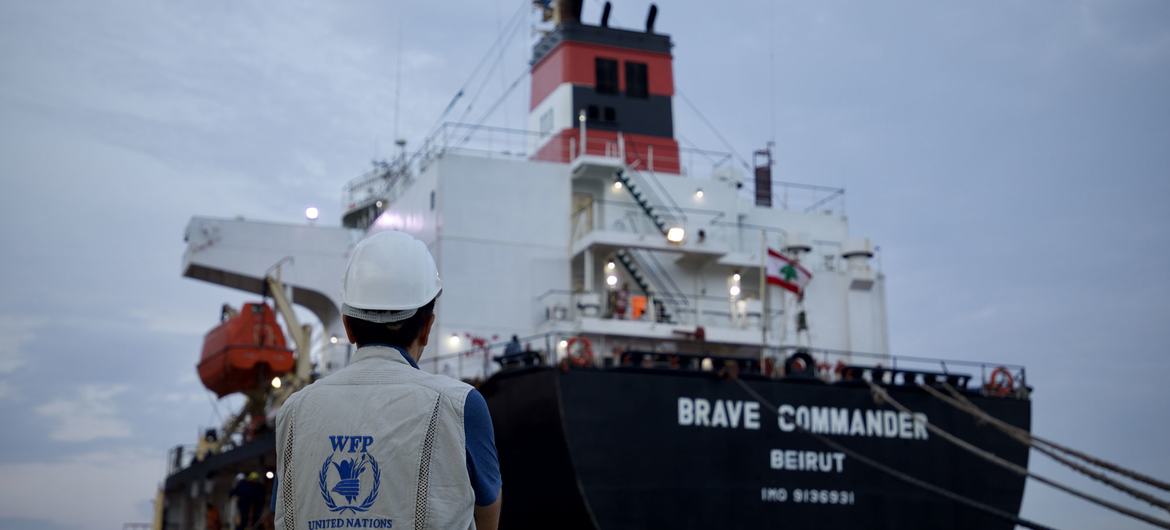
(626,448)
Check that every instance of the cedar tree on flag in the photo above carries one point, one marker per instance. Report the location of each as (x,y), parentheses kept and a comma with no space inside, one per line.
(786,272)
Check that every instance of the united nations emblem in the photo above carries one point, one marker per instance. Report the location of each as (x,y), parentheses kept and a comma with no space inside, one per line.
(343,478)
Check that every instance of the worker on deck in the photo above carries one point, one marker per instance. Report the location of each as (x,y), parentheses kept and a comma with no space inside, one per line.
(380,443)
(249,495)
(513,347)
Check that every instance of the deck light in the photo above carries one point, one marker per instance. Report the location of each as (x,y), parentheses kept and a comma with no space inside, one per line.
(333,339)
(312,213)
(270,475)
(611,280)
(275,382)
(378,204)
(617,185)
(734,291)
(675,234)
(610,266)
(453,340)
(735,277)
(699,193)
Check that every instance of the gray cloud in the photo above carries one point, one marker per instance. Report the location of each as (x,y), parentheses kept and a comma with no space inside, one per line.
(92,415)
(1009,158)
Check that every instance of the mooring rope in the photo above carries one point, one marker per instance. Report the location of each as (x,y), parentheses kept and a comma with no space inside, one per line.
(881,394)
(973,409)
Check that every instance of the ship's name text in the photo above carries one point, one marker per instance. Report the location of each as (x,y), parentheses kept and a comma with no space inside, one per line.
(727,413)
(838,421)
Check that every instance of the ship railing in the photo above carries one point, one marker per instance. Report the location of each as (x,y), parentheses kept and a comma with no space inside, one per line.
(179,458)
(742,312)
(627,217)
(808,198)
(383,181)
(705,229)
(483,357)
(906,370)
(482,360)
(653,157)
(388,178)
(511,143)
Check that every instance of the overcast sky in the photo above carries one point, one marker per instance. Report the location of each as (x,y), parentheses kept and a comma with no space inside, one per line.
(1011,158)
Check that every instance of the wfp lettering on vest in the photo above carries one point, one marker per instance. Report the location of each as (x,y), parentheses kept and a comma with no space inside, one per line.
(340,443)
(839,421)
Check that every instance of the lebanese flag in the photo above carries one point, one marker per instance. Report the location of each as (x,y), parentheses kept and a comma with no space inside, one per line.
(786,272)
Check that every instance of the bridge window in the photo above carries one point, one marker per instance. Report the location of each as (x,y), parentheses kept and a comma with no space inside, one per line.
(607,76)
(636,85)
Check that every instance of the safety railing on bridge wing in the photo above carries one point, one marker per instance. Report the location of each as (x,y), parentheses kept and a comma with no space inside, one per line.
(739,312)
(389,177)
(808,198)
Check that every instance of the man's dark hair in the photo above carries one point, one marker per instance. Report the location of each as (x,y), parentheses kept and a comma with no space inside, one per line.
(399,334)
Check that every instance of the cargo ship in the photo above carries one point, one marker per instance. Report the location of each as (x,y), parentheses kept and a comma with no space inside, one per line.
(665,335)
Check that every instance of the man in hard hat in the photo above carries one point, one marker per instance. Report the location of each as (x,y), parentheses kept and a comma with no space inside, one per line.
(380,443)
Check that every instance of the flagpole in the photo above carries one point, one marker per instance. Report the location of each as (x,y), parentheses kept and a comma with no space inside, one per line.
(763,297)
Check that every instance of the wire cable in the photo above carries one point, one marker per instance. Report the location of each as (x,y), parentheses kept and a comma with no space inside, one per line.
(727,145)
(512,29)
(881,395)
(898,474)
(475,71)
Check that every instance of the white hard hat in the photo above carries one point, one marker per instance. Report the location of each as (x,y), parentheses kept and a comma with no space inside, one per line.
(389,276)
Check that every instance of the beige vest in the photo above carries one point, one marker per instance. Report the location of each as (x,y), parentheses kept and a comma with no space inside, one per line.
(377,444)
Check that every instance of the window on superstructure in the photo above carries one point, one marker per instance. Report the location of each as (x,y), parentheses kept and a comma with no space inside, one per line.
(636,84)
(607,75)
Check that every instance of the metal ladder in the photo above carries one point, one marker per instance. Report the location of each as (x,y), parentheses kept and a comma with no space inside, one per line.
(623,256)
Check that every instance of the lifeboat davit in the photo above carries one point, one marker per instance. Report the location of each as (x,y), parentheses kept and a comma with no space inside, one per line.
(245,351)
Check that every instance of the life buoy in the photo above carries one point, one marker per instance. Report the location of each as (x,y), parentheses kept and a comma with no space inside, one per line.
(584,357)
(1001,382)
(800,364)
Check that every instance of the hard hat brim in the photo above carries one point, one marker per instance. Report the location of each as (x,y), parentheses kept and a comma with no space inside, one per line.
(377,316)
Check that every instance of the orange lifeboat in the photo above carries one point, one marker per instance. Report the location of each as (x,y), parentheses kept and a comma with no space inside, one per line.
(245,351)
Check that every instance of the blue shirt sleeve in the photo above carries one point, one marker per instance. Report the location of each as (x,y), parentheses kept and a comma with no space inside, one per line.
(483,466)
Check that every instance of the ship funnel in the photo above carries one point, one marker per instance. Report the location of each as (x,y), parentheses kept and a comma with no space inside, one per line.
(605,15)
(650,17)
(568,11)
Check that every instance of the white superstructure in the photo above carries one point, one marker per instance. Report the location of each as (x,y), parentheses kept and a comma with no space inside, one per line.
(594,223)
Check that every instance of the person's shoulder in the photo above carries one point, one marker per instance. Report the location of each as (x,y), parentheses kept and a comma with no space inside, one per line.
(474,403)
(449,387)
